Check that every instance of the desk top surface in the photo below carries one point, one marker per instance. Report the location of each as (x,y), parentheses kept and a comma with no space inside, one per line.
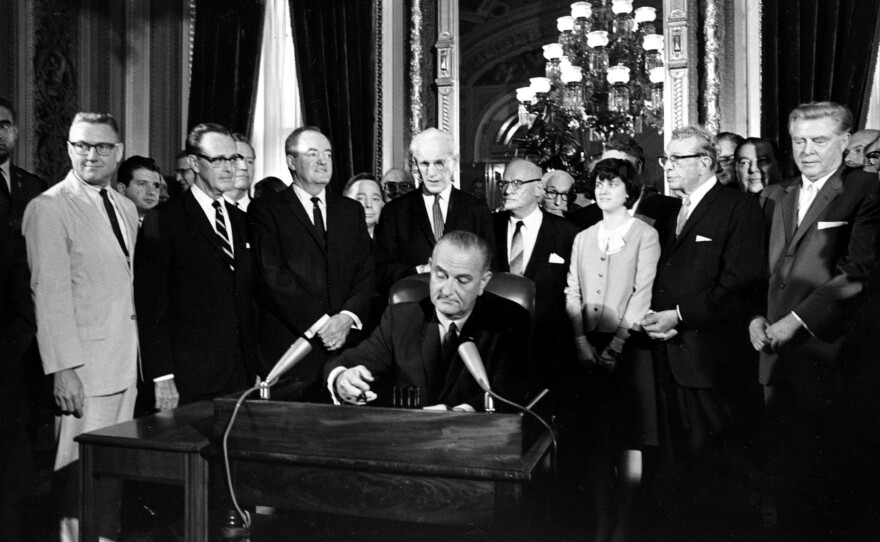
(184,429)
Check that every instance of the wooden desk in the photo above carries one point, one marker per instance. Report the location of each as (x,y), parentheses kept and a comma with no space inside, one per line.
(447,468)
(163,448)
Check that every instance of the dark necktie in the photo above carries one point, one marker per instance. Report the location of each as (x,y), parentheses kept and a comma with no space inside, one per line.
(318,217)
(450,345)
(4,188)
(114,222)
(517,252)
(438,218)
(220,226)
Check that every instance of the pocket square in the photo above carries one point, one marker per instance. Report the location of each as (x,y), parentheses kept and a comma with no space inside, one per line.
(826,225)
(556,258)
(700,239)
(247,245)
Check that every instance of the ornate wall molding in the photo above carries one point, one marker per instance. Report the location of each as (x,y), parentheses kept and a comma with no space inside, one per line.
(677,55)
(378,131)
(415,70)
(711,112)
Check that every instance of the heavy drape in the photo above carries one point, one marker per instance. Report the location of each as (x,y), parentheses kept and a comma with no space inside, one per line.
(335,49)
(226,61)
(815,50)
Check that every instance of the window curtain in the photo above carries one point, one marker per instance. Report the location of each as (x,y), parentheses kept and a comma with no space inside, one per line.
(277,110)
(225,64)
(334,41)
(814,50)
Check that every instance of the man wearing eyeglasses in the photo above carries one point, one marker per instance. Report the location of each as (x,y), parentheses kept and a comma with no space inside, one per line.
(557,191)
(537,245)
(81,236)
(725,170)
(822,249)
(412,224)
(860,144)
(197,324)
(397,182)
(314,255)
(707,284)
(17,186)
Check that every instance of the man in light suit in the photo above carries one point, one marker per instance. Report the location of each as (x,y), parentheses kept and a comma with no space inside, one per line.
(80,241)
(822,249)
(314,257)
(411,224)
(708,279)
(541,252)
(196,273)
(416,344)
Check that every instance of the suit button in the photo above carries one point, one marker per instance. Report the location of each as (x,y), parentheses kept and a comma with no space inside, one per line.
(598,291)
(782,286)
(600,275)
(133,317)
(596,309)
(668,264)
(602,258)
(661,291)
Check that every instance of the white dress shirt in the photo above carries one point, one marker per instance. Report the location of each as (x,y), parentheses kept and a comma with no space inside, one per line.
(242,203)
(444,204)
(207,204)
(804,197)
(699,193)
(94,193)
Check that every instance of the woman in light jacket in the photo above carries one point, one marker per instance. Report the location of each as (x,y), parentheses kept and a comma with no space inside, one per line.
(613,265)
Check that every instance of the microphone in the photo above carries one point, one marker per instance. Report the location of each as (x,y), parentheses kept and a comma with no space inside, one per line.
(295,354)
(474,363)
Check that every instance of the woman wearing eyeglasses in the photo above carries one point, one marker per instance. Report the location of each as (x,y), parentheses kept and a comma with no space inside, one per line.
(613,264)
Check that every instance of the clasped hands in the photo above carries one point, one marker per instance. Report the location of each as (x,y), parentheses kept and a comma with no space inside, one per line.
(660,325)
(589,357)
(769,338)
(334,332)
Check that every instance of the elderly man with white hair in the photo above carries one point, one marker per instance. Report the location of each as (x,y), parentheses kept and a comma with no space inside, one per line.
(413,223)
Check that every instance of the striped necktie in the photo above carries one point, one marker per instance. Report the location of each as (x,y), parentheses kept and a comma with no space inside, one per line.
(220,226)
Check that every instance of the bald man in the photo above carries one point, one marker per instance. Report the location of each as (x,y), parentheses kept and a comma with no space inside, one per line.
(536,244)
(861,143)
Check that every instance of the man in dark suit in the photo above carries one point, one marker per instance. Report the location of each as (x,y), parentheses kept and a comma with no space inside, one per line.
(411,224)
(537,245)
(651,207)
(314,257)
(17,329)
(197,325)
(708,277)
(17,186)
(822,249)
(416,345)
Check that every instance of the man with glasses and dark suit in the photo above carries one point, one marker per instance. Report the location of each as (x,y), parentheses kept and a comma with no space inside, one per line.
(557,191)
(413,223)
(81,236)
(195,266)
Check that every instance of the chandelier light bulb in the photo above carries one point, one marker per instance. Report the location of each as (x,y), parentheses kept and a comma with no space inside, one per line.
(540,85)
(645,15)
(653,42)
(597,38)
(622,6)
(564,63)
(581,10)
(572,75)
(553,50)
(618,75)
(525,94)
(657,75)
(565,24)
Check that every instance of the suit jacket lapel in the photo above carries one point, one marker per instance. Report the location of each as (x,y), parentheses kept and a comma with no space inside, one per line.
(701,209)
(430,345)
(783,224)
(96,217)
(420,215)
(501,241)
(829,192)
(199,222)
(300,213)
(541,251)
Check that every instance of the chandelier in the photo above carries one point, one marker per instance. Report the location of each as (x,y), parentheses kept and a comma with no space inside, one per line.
(604,76)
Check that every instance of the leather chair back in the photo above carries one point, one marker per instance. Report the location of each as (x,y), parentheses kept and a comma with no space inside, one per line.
(516,288)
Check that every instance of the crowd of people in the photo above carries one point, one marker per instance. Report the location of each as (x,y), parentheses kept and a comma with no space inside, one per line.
(717,333)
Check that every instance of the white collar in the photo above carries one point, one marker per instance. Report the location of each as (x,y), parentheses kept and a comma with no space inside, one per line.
(532,221)
(818,183)
(701,191)
(306,199)
(444,194)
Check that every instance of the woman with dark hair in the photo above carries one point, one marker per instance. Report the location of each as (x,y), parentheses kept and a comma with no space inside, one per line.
(613,264)
(757,164)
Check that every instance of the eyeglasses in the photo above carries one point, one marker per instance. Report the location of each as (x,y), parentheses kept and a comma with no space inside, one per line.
(872,157)
(502,185)
(6,125)
(219,161)
(552,195)
(439,165)
(82,148)
(674,160)
(761,162)
(398,187)
(725,161)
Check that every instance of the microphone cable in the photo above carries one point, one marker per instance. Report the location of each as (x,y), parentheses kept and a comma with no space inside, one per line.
(244,514)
